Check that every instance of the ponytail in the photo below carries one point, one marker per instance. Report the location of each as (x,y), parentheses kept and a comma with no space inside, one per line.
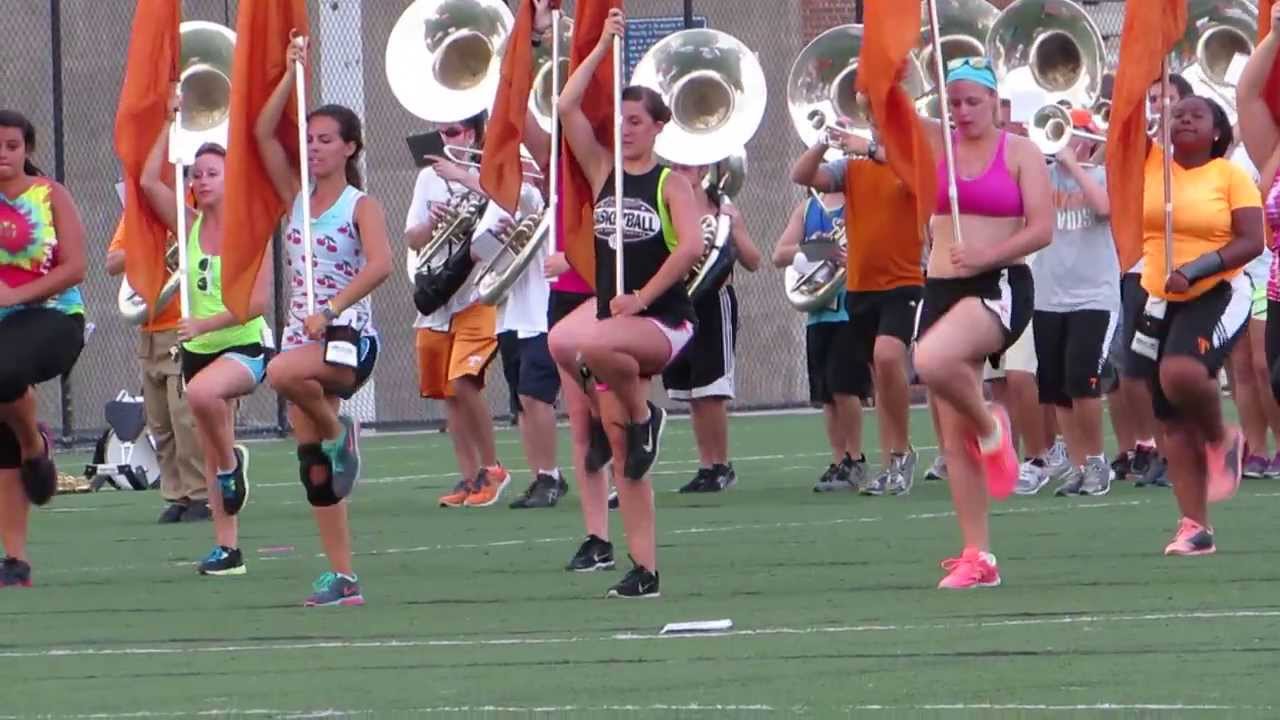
(30,168)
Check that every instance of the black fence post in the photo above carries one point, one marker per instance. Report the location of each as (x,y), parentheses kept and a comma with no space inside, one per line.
(688,14)
(279,319)
(59,171)
(857,11)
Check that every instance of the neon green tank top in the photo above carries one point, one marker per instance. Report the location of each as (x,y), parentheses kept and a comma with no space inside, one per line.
(204,278)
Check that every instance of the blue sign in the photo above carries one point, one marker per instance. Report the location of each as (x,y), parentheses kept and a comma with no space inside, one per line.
(644,33)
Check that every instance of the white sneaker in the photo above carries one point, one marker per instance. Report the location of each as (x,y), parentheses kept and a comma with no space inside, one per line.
(1033,475)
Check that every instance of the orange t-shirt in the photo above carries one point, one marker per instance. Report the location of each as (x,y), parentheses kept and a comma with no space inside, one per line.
(170,315)
(1203,199)
(886,243)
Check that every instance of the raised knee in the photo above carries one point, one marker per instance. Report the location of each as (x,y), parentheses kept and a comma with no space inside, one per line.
(279,376)
(202,398)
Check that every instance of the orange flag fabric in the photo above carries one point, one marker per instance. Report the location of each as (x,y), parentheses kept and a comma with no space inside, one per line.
(891,32)
(577,214)
(1151,27)
(150,71)
(500,168)
(252,206)
(1272,90)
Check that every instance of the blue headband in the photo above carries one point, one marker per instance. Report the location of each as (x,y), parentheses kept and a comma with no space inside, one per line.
(985,76)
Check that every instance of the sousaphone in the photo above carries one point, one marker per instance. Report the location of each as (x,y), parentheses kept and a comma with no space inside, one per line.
(1053,43)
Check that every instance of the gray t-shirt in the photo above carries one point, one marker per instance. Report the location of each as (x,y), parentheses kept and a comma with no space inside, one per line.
(1079,270)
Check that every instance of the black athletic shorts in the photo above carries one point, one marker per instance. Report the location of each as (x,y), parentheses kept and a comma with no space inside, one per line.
(705,368)
(886,313)
(562,303)
(831,353)
(1205,328)
(528,367)
(1009,293)
(1132,300)
(39,344)
(252,357)
(1071,349)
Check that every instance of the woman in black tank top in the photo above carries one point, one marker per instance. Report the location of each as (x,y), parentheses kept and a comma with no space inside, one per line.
(626,339)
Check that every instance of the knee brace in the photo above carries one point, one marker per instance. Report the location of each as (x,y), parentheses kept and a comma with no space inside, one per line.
(319,495)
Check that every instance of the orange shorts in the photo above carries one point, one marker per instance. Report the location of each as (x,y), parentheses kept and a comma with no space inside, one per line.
(465,350)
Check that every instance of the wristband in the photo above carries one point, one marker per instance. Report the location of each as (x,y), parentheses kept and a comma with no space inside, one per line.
(1202,267)
(329,314)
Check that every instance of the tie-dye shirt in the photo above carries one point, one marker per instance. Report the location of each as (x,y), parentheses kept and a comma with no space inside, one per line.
(29,247)
(1272,209)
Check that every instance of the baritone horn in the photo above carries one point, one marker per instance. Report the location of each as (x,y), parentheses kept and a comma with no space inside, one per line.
(1051,130)
(204,86)
(1055,45)
(518,245)
(726,178)
(815,285)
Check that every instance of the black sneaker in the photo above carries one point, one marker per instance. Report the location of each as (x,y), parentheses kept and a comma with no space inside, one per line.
(701,482)
(39,475)
(173,513)
(722,478)
(14,573)
(613,498)
(644,442)
(1141,459)
(1122,464)
(197,511)
(235,484)
(544,492)
(638,583)
(593,554)
(599,453)
(222,561)
(1157,474)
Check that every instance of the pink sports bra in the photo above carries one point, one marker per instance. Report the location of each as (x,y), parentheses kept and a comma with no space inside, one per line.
(994,193)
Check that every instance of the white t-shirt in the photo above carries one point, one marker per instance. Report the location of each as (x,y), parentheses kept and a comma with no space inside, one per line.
(431,189)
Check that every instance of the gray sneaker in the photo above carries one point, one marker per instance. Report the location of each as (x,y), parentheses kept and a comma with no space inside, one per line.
(846,475)
(902,475)
(938,470)
(1097,477)
(1072,485)
(333,590)
(1033,475)
(1057,462)
(879,484)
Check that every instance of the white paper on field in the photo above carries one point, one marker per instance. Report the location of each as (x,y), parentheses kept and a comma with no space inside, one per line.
(697,626)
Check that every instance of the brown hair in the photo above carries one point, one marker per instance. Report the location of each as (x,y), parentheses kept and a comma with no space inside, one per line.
(653,103)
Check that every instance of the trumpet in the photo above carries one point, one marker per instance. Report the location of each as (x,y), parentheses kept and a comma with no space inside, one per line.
(459,155)
(462,214)
(1051,130)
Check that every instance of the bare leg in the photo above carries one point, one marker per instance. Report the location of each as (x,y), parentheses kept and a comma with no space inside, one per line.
(948,359)
(965,477)
(15,510)
(1248,395)
(468,394)
(211,395)
(1121,418)
(710,420)
(635,497)
(848,409)
(464,448)
(837,435)
(592,488)
(1026,413)
(893,395)
(537,433)
(1187,470)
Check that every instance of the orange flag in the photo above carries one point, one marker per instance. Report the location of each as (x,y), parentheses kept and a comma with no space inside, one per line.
(500,169)
(1151,27)
(150,71)
(577,214)
(1272,90)
(892,30)
(252,206)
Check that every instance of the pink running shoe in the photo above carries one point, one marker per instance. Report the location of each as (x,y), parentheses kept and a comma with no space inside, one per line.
(973,569)
(1224,461)
(1001,465)
(1192,538)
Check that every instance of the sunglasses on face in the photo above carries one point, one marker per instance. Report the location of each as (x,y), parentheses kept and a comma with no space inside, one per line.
(204,281)
(452,131)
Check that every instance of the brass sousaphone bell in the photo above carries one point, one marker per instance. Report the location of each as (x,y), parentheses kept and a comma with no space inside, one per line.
(205,89)
(1055,45)
(1219,33)
(963,29)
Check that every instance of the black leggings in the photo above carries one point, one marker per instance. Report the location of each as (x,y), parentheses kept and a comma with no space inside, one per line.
(37,344)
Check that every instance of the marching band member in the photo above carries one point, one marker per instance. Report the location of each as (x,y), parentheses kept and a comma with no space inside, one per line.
(222,359)
(457,342)
(41,329)
(703,374)
(827,351)
(1076,309)
(885,282)
(327,355)
(628,337)
(978,299)
(1196,314)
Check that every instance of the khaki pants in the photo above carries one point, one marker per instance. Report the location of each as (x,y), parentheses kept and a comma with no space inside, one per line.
(170,421)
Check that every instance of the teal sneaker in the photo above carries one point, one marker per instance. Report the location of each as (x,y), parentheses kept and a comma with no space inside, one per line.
(223,561)
(235,484)
(344,457)
(332,589)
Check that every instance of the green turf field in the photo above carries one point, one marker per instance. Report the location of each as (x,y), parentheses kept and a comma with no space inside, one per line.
(470,613)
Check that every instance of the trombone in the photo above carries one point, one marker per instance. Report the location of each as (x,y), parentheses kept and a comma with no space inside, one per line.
(460,155)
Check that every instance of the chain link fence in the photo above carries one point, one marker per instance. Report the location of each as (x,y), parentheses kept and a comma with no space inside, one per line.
(63,69)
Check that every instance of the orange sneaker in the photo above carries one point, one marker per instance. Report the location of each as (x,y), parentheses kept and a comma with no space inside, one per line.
(488,486)
(1224,462)
(458,495)
(1191,539)
(973,569)
(1001,464)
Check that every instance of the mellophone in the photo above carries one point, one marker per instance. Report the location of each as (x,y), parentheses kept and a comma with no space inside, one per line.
(716,87)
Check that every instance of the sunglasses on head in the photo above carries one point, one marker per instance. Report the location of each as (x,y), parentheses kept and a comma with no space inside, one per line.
(975,62)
